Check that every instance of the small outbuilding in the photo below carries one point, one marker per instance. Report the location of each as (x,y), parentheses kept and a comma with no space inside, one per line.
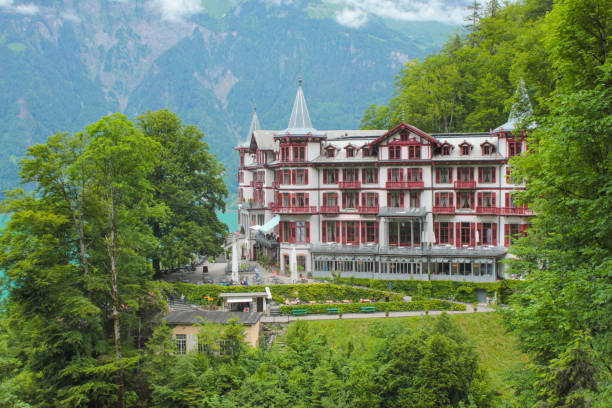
(185,329)
(245,301)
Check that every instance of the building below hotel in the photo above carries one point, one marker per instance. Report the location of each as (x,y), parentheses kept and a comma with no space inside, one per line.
(387,204)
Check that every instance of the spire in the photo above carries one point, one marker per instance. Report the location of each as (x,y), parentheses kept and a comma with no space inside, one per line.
(300,119)
(254,123)
(521,112)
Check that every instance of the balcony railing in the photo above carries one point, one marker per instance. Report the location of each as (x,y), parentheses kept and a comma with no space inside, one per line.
(294,210)
(515,211)
(330,209)
(444,210)
(487,210)
(469,185)
(257,184)
(349,185)
(404,185)
(368,210)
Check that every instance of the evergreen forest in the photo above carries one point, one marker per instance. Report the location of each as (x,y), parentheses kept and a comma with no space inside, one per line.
(79,322)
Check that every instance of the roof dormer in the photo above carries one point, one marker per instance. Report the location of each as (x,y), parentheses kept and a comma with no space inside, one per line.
(446,149)
(465,148)
(487,148)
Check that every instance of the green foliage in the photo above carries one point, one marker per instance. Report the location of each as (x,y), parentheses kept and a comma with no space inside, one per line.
(461,291)
(185,172)
(305,292)
(380,307)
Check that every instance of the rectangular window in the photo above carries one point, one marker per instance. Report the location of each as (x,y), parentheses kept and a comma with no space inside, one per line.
(396,175)
(514,231)
(285,176)
(444,235)
(487,233)
(443,175)
(350,152)
(415,200)
(396,199)
(330,231)
(414,174)
(465,173)
(465,200)
(414,152)
(301,176)
(284,153)
(330,199)
(301,200)
(330,176)
(300,231)
(286,200)
(371,200)
(299,153)
(350,199)
(486,174)
(443,199)
(181,343)
(331,152)
(466,236)
(371,232)
(395,152)
(351,232)
(514,148)
(350,174)
(487,199)
(370,176)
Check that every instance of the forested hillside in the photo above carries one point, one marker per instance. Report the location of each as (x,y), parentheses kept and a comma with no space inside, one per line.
(561,52)
(66,63)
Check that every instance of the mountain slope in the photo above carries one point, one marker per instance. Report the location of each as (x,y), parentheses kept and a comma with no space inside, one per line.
(64,66)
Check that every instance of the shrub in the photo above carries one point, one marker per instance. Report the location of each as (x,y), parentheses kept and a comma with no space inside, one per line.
(380,307)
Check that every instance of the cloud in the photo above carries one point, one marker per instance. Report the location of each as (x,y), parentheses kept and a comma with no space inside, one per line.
(28,9)
(70,16)
(352,17)
(354,13)
(176,10)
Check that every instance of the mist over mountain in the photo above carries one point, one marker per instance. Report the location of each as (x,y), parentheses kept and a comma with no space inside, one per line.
(64,63)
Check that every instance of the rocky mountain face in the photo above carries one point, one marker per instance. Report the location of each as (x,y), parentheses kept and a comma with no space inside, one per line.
(64,64)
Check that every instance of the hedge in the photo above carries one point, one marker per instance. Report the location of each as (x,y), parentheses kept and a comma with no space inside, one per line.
(380,307)
(460,291)
(319,292)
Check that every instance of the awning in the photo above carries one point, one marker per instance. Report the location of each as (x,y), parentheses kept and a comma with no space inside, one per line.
(269,226)
(240,300)
(256,227)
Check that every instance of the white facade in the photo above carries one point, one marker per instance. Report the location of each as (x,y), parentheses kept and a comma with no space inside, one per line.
(397,204)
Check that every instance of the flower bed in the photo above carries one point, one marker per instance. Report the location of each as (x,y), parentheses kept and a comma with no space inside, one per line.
(380,307)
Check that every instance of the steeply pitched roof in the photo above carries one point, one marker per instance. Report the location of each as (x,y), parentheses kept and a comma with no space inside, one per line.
(521,111)
(300,119)
(254,123)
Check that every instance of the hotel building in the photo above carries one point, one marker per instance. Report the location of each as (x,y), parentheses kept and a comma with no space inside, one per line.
(387,204)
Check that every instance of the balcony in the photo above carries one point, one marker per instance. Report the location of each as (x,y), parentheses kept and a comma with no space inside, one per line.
(294,210)
(465,185)
(515,211)
(487,210)
(257,184)
(443,210)
(404,185)
(368,210)
(330,209)
(349,185)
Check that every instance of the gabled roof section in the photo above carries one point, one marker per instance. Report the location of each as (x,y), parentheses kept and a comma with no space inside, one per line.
(300,119)
(411,128)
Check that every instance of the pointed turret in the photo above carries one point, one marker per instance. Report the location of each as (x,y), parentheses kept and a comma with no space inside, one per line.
(254,123)
(300,119)
(521,111)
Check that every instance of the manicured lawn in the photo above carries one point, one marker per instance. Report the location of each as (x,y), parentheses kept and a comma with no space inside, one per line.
(497,349)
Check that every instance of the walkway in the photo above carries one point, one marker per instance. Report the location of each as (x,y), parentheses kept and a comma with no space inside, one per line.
(377,315)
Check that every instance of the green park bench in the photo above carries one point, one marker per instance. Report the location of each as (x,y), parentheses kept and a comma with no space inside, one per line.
(332,310)
(368,309)
(299,312)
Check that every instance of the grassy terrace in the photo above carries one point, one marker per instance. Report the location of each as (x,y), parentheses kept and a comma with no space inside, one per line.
(497,350)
